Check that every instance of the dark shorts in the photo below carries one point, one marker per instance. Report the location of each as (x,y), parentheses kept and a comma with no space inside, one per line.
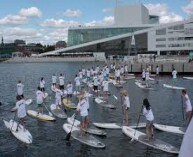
(149,123)
(143,78)
(83,118)
(61,87)
(42,89)
(95,87)
(118,78)
(40,105)
(21,96)
(69,95)
(54,84)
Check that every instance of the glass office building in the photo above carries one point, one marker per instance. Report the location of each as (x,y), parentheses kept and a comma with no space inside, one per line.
(80,35)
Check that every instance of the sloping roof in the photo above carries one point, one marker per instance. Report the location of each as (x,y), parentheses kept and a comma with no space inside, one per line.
(55,52)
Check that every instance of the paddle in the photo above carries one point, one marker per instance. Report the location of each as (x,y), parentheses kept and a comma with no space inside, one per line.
(13,120)
(50,114)
(137,124)
(115,97)
(69,134)
(182,107)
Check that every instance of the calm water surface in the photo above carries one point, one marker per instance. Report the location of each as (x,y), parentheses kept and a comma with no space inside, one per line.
(49,137)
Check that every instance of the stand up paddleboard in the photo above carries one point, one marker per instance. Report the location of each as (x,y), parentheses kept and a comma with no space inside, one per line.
(69,104)
(27,102)
(40,116)
(128,77)
(21,134)
(58,112)
(104,104)
(140,85)
(172,87)
(188,78)
(90,130)
(117,125)
(171,129)
(154,143)
(85,138)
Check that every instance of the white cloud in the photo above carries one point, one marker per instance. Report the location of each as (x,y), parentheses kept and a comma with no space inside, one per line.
(188,9)
(60,23)
(162,10)
(33,12)
(107,10)
(72,13)
(107,21)
(13,20)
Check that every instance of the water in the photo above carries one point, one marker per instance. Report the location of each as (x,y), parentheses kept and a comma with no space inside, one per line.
(49,137)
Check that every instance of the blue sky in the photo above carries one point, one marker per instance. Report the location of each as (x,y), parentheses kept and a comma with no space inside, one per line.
(47,21)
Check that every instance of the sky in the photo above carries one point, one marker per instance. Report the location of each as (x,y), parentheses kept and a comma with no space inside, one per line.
(47,21)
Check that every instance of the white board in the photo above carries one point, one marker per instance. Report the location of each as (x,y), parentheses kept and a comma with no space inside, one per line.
(58,112)
(85,139)
(155,143)
(171,129)
(40,116)
(21,134)
(188,78)
(140,85)
(172,87)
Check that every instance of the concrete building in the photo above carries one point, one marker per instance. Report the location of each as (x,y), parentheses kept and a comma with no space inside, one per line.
(131,21)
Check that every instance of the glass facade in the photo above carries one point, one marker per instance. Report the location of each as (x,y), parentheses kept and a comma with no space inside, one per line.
(80,36)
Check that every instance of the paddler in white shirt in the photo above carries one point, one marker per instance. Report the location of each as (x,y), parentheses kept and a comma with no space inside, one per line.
(20,87)
(21,111)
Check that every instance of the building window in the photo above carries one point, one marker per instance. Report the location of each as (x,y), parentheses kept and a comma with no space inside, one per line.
(161,39)
(159,46)
(177,27)
(161,31)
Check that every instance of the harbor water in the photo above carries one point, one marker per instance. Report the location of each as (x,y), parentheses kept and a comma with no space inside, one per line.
(49,137)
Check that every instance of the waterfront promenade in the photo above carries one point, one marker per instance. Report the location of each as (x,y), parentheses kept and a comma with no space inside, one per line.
(135,65)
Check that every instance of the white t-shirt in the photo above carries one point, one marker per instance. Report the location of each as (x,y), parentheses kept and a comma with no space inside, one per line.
(83,72)
(42,83)
(147,75)
(77,81)
(88,73)
(107,70)
(126,68)
(95,79)
(157,70)
(82,107)
(174,74)
(20,88)
(61,80)
(54,78)
(122,70)
(87,100)
(105,86)
(21,110)
(148,114)
(117,73)
(143,74)
(39,97)
(80,74)
(126,102)
(69,88)
(187,103)
(59,93)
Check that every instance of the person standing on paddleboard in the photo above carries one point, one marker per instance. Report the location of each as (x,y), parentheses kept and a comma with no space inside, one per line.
(39,100)
(82,108)
(187,105)
(20,87)
(42,85)
(147,78)
(143,76)
(21,111)
(105,85)
(148,113)
(69,89)
(77,83)
(125,106)
(174,75)
(58,97)
(54,79)
(61,82)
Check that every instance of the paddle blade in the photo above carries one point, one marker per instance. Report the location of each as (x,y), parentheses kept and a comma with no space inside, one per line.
(115,97)
(68,136)
(131,140)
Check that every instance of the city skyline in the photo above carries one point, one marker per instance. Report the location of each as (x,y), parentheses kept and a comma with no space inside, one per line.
(47,22)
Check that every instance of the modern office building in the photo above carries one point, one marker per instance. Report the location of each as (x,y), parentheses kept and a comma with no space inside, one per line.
(132,21)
